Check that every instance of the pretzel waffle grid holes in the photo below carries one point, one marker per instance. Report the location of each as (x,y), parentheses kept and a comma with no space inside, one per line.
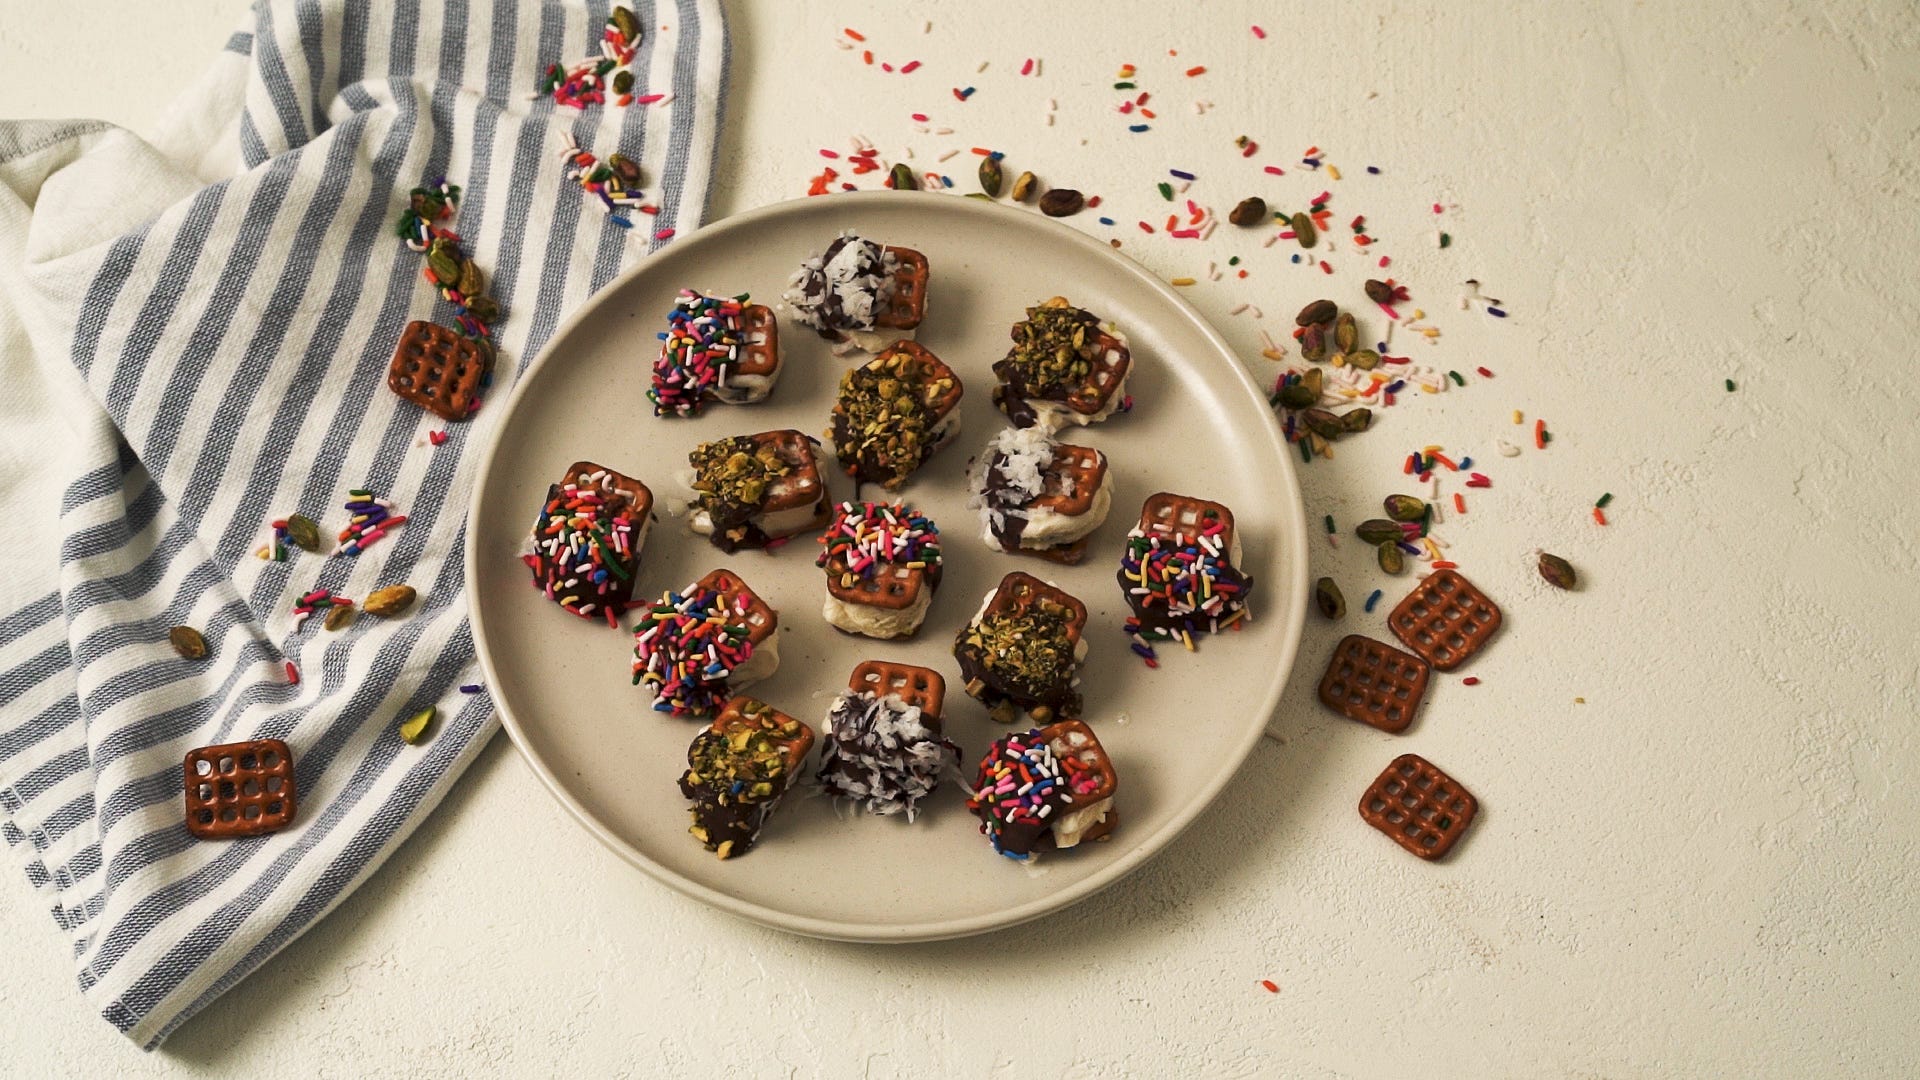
(233,787)
(1423,807)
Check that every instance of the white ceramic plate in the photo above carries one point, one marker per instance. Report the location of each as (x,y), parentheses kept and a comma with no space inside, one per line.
(1176,735)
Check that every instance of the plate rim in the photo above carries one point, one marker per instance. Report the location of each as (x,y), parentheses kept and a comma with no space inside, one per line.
(1292,523)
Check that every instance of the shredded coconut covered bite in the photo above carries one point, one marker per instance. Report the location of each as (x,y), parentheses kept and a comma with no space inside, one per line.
(881,754)
(844,287)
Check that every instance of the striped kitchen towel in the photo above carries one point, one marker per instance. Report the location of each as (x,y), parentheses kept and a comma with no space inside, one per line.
(200,324)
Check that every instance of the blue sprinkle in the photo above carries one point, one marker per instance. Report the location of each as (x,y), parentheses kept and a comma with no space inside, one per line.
(1296,257)
(1409,548)
(1183,175)
(1398,385)
(946,181)
(1380,346)
(1496,313)
(1374,599)
(620,221)
(662,335)
(1106,221)
(1313,162)
(1373,170)
(997,155)
(1136,127)
(1466,463)
(471,688)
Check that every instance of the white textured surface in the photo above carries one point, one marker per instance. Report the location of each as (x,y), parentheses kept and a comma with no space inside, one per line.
(1708,869)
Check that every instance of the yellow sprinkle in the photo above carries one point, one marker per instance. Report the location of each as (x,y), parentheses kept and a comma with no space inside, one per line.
(1418,314)
(1181,281)
(1425,389)
(1579,701)
(1516,416)
(1188,638)
(1349,394)
(1273,354)
(1432,449)
(1334,171)
(1339,359)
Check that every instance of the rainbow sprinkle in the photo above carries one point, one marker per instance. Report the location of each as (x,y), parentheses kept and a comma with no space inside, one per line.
(605,184)
(586,82)
(583,550)
(1020,785)
(425,206)
(866,535)
(372,517)
(700,345)
(686,647)
(314,602)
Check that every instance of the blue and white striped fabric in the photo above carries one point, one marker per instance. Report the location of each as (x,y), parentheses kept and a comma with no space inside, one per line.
(210,314)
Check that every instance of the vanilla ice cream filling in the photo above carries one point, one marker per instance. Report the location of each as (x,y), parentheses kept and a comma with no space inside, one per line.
(775,525)
(1047,528)
(1068,828)
(746,389)
(872,621)
(876,341)
(762,664)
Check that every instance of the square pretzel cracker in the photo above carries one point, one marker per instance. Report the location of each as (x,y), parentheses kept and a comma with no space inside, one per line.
(744,712)
(576,525)
(1423,809)
(239,789)
(1185,518)
(1081,398)
(734,522)
(906,303)
(868,430)
(921,687)
(1374,683)
(1445,619)
(759,616)
(439,370)
(1073,478)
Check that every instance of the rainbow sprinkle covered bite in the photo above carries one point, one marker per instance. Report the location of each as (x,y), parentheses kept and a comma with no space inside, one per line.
(695,648)
(882,562)
(1049,786)
(585,545)
(1180,573)
(715,348)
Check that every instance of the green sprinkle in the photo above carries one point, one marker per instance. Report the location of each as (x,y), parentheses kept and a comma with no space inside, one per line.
(1446,239)
(1426,518)
(1306,455)
(1235,261)
(1123,86)
(1729,386)
(1457,380)
(1546,436)
(1604,500)
(1166,191)
(361,492)
(1329,523)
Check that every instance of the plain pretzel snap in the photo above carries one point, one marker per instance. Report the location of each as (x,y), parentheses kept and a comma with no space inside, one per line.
(1422,808)
(239,789)
(438,370)
(922,688)
(1072,477)
(1374,683)
(1445,619)
(759,352)
(906,303)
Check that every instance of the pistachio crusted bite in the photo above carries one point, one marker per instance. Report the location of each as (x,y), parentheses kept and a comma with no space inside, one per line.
(753,490)
(1063,368)
(738,769)
(894,412)
(1021,653)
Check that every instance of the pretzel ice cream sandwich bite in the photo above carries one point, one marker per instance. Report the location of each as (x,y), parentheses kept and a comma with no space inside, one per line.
(1064,368)
(585,546)
(1040,497)
(715,348)
(883,749)
(738,769)
(1021,653)
(695,648)
(752,490)
(895,412)
(861,293)
(1049,786)
(1180,572)
(882,562)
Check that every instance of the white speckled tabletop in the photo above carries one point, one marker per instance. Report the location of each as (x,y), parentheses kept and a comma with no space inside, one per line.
(1705,869)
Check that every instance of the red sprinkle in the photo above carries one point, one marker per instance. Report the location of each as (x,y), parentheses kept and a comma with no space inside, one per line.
(1471,680)
(1484,373)
(1262,35)
(833,154)
(1275,170)
(1324,268)
(909,67)
(1093,202)
(1459,504)
(1539,434)
(867,56)
(293,674)
(663,234)
(1268,983)
(1599,516)
(957,95)
(1444,564)
(1192,71)
(854,34)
